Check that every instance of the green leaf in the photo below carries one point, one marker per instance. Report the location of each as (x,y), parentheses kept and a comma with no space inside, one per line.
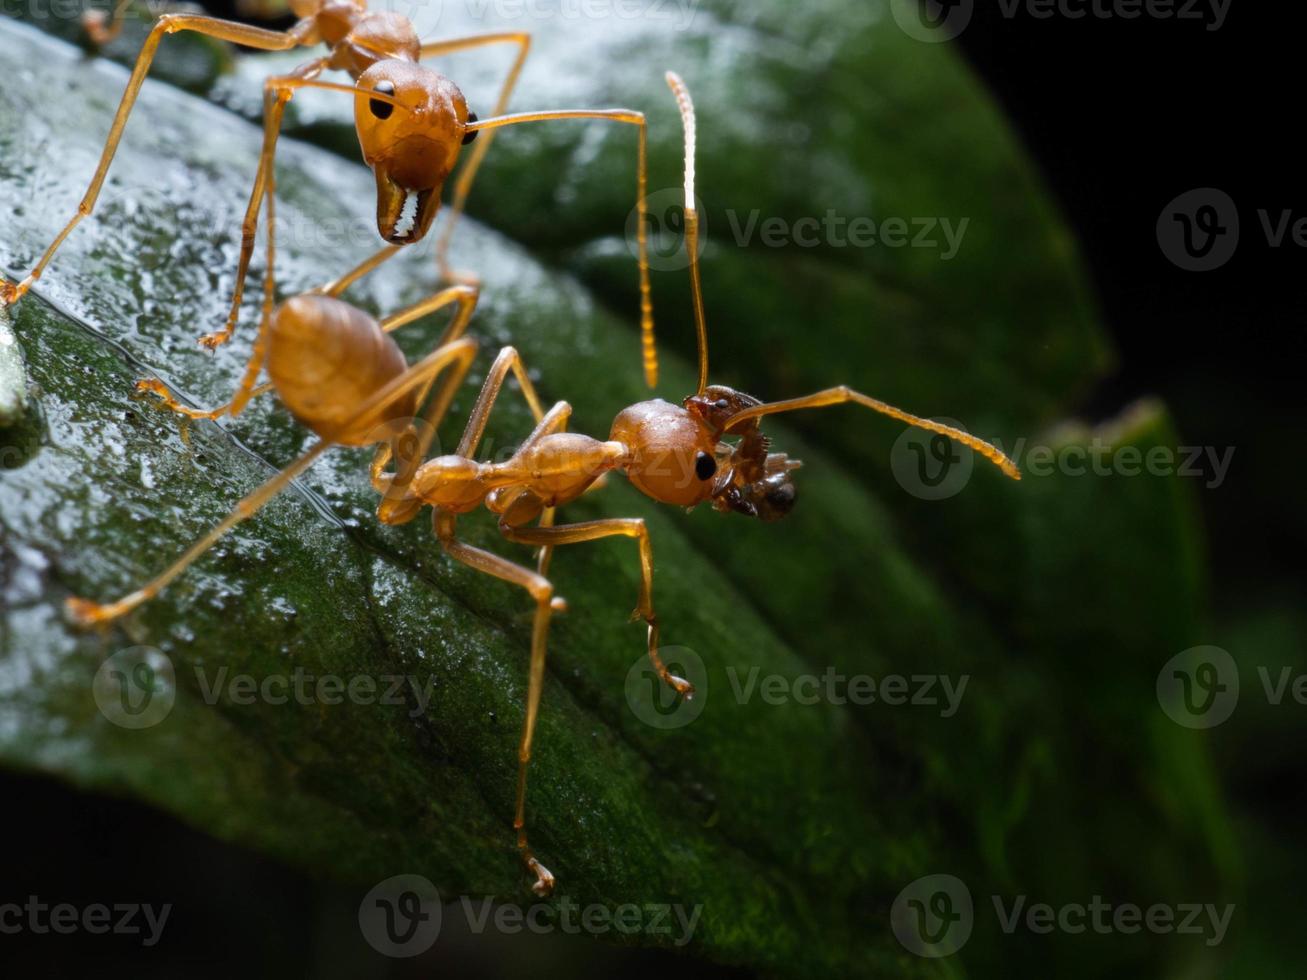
(792,826)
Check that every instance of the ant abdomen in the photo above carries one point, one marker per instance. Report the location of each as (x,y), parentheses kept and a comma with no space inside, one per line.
(326,358)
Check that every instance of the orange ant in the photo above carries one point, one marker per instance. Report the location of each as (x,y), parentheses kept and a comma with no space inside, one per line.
(340,373)
(411,152)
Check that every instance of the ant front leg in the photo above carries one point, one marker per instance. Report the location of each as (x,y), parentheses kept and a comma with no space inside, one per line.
(843,394)
(338,286)
(277,92)
(469,171)
(250,37)
(634,527)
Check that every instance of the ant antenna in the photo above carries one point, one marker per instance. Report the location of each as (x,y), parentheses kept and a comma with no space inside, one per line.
(294,83)
(691,229)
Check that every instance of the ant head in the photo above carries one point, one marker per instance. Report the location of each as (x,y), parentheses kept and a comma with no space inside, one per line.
(411,124)
(754,482)
(671,454)
(716,404)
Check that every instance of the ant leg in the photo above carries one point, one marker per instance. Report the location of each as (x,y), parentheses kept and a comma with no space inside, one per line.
(277,92)
(102,30)
(507,359)
(844,394)
(250,37)
(650,355)
(84,613)
(246,390)
(409,448)
(541,591)
(466,297)
(167,400)
(338,286)
(468,174)
(633,527)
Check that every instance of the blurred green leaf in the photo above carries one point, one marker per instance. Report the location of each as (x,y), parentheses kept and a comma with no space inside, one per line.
(794,826)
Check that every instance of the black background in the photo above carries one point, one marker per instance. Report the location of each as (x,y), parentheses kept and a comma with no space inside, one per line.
(1122,116)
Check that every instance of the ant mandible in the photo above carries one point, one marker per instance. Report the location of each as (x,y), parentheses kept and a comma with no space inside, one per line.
(411,152)
(675,454)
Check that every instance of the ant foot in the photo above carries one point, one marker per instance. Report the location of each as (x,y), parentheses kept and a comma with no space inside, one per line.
(544,883)
(558,604)
(680,685)
(154,386)
(84,612)
(9,293)
(93,23)
(212,341)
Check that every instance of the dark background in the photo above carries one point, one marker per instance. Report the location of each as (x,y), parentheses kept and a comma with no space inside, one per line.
(1122,116)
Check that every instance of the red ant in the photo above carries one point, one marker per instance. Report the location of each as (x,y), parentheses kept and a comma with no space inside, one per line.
(412,151)
(676,454)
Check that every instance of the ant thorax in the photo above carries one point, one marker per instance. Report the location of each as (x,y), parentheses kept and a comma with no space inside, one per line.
(370,37)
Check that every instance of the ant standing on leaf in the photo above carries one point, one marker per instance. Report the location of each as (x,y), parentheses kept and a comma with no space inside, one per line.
(675,454)
(412,122)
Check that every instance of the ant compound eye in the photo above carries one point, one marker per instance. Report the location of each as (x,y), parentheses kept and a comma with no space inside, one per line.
(704,466)
(721,404)
(469,137)
(380,109)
